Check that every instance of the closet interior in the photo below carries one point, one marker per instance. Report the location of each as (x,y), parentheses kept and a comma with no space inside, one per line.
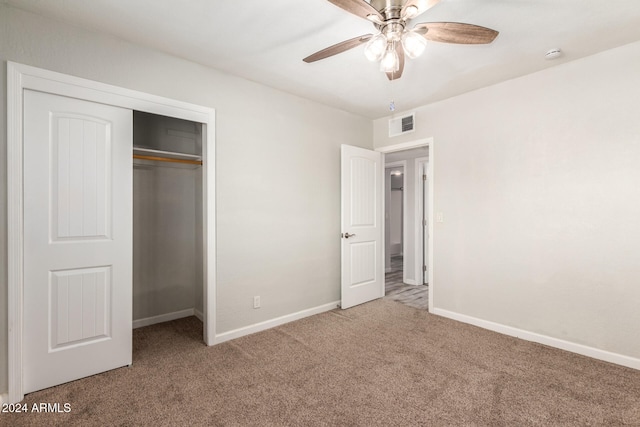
(167,219)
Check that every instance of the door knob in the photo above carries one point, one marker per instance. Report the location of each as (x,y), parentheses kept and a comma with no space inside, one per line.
(347,235)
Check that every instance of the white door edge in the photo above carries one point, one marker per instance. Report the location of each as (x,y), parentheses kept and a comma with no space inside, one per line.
(21,77)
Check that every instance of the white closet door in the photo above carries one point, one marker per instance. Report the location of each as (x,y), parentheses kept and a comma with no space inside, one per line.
(77,239)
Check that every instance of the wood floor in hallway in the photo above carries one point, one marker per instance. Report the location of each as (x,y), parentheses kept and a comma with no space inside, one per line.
(412,295)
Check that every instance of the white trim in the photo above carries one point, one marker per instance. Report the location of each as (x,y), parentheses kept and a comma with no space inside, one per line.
(405,145)
(405,222)
(381,237)
(268,324)
(14,231)
(431,181)
(418,197)
(20,77)
(4,398)
(209,266)
(409,281)
(147,321)
(198,314)
(607,356)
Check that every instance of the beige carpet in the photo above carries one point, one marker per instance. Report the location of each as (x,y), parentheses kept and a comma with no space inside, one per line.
(381,363)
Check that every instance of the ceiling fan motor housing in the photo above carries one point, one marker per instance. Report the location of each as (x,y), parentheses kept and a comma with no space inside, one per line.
(393,30)
(390,9)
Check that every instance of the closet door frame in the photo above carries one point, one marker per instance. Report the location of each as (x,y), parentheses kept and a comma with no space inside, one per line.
(21,77)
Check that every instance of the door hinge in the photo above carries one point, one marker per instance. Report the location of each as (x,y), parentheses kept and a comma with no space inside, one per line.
(424,268)
(424,222)
(424,177)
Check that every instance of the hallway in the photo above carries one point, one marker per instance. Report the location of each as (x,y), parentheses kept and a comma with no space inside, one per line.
(416,296)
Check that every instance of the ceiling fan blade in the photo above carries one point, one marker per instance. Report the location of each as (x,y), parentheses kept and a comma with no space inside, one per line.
(397,74)
(338,48)
(421,7)
(456,32)
(359,8)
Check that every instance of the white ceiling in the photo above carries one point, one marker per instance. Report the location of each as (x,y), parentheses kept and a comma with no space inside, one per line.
(265,41)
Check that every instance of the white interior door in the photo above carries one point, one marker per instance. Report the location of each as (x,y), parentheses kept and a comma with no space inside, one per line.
(77,239)
(362,226)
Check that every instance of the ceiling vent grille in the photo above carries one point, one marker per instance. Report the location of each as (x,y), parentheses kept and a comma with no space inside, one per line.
(402,125)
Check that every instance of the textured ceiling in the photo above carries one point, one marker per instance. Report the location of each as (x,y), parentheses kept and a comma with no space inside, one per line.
(265,41)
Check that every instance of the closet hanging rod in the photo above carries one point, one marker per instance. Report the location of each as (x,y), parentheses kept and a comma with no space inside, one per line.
(167,159)
(163,153)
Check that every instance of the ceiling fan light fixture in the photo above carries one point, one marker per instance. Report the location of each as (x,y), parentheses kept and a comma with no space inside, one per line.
(410,12)
(390,18)
(375,19)
(413,44)
(390,62)
(375,48)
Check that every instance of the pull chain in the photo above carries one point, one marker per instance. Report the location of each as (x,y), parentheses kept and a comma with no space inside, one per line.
(392,103)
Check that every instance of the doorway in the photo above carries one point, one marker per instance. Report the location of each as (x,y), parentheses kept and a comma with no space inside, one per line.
(406,226)
(167,219)
(396,211)
(395,219)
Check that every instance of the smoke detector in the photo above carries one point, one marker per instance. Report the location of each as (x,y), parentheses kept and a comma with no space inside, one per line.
(553,53)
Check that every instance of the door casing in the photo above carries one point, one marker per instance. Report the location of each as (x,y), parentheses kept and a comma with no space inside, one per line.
(425,142)
(21,77)
(422,256)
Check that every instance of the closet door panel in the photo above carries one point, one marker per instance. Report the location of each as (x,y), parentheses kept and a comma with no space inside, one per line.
(80,194)
(78,239)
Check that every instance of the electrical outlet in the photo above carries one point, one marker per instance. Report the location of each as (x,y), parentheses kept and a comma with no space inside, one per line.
(256,302)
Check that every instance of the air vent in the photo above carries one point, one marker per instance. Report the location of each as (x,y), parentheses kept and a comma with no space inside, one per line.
(402,125)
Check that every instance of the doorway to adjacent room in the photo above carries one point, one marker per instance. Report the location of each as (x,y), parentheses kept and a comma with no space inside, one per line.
(406,226)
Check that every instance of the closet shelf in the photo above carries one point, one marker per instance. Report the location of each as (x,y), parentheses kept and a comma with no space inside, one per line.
(165,156)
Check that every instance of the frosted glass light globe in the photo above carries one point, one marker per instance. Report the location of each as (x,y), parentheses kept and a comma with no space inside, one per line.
(375,47)
(413,44)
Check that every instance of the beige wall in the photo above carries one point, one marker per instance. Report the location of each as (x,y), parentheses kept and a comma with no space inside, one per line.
(278,170)
(538,181)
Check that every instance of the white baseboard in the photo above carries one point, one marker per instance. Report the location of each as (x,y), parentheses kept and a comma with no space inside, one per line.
(268,324)
(409,282)
(198,314)
(163,318)
(607,356)
(4,398)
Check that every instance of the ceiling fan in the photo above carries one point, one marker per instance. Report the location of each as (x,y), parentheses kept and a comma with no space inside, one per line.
(394,39)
